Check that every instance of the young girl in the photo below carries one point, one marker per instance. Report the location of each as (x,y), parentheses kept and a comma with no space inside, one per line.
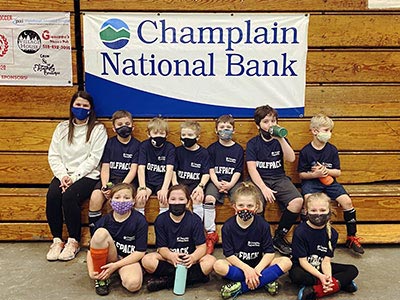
(74,157)
(180,239)
(247,246)
(119,243)
(313,243)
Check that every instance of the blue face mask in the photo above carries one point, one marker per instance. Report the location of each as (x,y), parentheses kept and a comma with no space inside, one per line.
(80,113)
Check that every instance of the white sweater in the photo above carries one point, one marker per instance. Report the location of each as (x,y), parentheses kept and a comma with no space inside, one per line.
(78,159)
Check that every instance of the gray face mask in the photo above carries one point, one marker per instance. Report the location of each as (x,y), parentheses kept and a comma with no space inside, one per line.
(225,134)
(319,219)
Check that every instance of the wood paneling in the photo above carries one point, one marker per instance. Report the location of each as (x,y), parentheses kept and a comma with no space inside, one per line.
(35,5)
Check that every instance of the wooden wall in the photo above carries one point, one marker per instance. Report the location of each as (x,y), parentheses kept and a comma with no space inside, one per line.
(353,75)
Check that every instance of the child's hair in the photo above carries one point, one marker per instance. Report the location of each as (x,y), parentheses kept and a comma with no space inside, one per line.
(194,125)
(185,190)
(122,186)
(120,114)
(262,111)
(249,190)
(321,120)
(225,119)
(322,196)
(92,116)
(157,124)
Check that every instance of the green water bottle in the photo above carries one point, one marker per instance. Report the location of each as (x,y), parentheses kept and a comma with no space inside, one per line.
(278,131)
(180,279)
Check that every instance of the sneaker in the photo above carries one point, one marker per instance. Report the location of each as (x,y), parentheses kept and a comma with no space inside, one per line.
(55,249)
(232,289)
(351,288)
(306,293)
(159,283)
(70,250)
(282,245)
(211,240)
(272,288)
(353,243)
(102,287)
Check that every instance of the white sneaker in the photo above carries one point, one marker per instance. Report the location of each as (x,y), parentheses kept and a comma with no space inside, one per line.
(70,250)
(55,249)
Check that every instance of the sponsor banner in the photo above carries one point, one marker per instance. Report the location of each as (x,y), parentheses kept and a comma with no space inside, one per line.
(35,48)
(195,64)
(381,4)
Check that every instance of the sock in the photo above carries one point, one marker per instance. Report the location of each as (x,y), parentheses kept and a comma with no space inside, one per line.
(268,275)
(94,216)
(287,220)
(162,209)
(319,292)
(235,274)
(99,258)
(198,210)
(209,217)
(141,210)
(351,221)
(195,274)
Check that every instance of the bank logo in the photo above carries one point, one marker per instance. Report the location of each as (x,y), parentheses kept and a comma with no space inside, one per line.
(114,34)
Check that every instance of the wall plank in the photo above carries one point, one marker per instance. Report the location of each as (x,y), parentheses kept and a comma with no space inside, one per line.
(35,5)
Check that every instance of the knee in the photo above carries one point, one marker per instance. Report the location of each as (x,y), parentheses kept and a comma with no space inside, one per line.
(345,202)
(149,263)
(209,199)
(132,284)
(221,267)
(295,205)
(96,200)
(285,264)
(100,236)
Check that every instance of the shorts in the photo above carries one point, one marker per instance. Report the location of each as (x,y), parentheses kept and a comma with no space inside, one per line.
(315,186)
(212,190)
(98,186)
(154,188)
(285,190)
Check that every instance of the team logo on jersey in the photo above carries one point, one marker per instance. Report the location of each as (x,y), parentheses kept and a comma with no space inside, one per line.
(129,238)
(115,33)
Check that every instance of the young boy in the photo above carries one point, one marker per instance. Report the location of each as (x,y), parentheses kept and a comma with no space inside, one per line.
(119,163)
(156,165)
(226,167)
(192,165)
(265,157)
(318,161)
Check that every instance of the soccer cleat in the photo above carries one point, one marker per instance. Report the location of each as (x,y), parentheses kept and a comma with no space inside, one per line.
(351,288)
(232,289)
(71,249)
(281,245)
(353,243)
(272,288)
(55,249)
(102,287)
(159,283)
(211,240)
(306,293)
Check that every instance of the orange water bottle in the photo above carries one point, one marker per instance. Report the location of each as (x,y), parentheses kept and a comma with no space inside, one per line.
(326,180)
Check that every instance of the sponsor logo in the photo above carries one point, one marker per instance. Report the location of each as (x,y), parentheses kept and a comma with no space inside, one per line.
(3,45)
(29,41)
(114,33)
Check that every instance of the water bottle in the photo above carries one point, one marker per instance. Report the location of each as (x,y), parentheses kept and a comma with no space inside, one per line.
(180,279)
(278,131)
(327,180)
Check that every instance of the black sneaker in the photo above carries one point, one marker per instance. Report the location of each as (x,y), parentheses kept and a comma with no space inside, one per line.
(353,243)
(102,287)
(351,288)
(159,283)
(306,293)
(282,245)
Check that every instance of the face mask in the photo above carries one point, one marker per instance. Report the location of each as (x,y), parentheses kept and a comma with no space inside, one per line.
(124,131)
(324,137)
(225,134)
(80,113)
(158,141)
(121,207)
(188,142)
(319,219)
(177,209)
(265,134)
(245,214)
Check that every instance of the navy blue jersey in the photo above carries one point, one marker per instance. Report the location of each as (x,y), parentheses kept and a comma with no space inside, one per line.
(226,160)
(120,156)
(250,244)
(156,160)
(182,237)
(129,235)
(191,165)
(327,156)
(313,244)
(267,155)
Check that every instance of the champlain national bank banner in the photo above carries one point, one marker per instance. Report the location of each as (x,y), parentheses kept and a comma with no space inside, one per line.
(195,65)
(35,48)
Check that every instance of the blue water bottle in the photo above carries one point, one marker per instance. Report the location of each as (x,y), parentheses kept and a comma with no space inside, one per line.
(180,279)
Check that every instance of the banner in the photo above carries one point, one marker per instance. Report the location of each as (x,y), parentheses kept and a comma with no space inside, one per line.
(35,48)
(195,64)
(381,4)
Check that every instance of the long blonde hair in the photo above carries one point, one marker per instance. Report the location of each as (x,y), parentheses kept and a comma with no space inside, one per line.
(248,189)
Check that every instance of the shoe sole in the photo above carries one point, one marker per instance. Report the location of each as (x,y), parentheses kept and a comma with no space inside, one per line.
(70,258)
(281,252)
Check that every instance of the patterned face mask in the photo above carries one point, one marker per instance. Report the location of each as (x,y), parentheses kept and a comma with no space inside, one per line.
(121,207)
(158,141)
(245,214)
(225,134)
(319,219)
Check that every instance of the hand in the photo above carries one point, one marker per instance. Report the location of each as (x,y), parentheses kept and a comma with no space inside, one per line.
(106,193)
(225,186)
(141,197)
(252,278)
(197,195)
(162,196)
(176,258)
(187,260)
(66,181)
(269,194)
(107,270)
(326,282)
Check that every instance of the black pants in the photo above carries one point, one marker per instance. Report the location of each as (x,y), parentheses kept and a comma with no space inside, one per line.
(67,205)
(343,273)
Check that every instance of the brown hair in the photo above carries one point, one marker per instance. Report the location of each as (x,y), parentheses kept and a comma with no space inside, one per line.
(262,111)
(121,114)
(225,119)
(194,125)
(249,190)
(122,186)
(183,188)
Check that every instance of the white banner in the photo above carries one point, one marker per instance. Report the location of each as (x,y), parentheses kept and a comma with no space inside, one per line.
(35,48)
(381,4)
(196,64)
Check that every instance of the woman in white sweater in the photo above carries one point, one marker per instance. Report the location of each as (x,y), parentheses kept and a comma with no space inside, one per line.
(74,157)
